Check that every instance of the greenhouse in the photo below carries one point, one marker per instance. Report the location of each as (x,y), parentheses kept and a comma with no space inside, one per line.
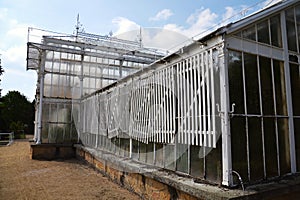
(223,107)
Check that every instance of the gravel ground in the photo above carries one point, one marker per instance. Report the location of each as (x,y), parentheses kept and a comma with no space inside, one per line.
(23,178)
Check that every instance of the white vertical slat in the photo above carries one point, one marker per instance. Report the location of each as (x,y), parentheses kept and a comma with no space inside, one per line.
(162,106)
(203,99)
(193,102)
(186,102)
(173,101)
(158,108)
(200,58)
(213,103)
(196,97)
(178,100)
(208,97)
(168,104)
(156,104)
(181,102)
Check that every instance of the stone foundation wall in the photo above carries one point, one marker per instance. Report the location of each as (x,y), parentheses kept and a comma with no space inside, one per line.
(51,151)
(144,186)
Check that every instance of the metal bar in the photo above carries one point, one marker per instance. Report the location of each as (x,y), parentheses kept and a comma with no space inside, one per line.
(200,81)
(261,111)
(197,95)
(289,94)
(204,98)
(208,59)
(213,103)
(184,98)
(173,102)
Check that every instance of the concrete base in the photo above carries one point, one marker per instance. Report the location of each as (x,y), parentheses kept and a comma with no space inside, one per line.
(52,151)
(151,182)
(154,183)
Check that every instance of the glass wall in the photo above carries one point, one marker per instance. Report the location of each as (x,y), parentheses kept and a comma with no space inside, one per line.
(259,124)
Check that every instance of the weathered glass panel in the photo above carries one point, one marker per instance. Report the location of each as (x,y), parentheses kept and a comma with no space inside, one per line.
(295,87)
(270,147)
(252,90)
(197,161)
(280,92)
(284,145)
(159,155)
(275,31)
(150,153)
(169,151)
(297,141)
(235,75)
(143,152)
(266,86)
(263,32)
(213,163)
(182,158)
(256,149)
(239,146)
(249,33)
(297,13)
(291,30)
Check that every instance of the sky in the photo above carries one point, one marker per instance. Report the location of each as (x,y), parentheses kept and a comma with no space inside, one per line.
(190,18)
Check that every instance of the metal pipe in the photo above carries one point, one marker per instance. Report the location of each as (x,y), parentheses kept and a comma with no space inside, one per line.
(240,179)
(40,111)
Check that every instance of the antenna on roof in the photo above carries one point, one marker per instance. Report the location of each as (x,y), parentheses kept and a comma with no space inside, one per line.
(140,37)
(78,26)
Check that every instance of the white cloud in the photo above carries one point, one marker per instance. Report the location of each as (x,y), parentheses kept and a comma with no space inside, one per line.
(3,13)
(124,25)
(162,15)
(13,39)
(199,23)
(15,55)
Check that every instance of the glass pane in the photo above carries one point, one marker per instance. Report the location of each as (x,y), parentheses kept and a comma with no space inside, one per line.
(182,158)
(197,162)
(169,151)
(252,90)
(284,146)
(255,148)
(275,31)
(291,30)
(135,149)
(295,87)
(297,12)
(213,163)
(249,33)
(150,153)
(159,155)
(270,147)
(279,82)
(239,146)
(235,75)
(297,141)
(266,86)
(143,152)
(263,32)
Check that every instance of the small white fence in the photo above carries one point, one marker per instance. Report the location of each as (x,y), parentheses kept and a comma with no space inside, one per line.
(6,141)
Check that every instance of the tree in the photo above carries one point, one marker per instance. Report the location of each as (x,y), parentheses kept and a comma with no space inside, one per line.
(16,110)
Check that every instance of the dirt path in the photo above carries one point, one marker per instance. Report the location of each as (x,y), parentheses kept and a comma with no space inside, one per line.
(23,178)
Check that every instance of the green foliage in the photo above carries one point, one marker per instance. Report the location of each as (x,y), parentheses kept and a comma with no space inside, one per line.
(16,112)
(18,129)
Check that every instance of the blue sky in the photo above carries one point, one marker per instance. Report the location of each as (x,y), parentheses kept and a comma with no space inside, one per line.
(100,17)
